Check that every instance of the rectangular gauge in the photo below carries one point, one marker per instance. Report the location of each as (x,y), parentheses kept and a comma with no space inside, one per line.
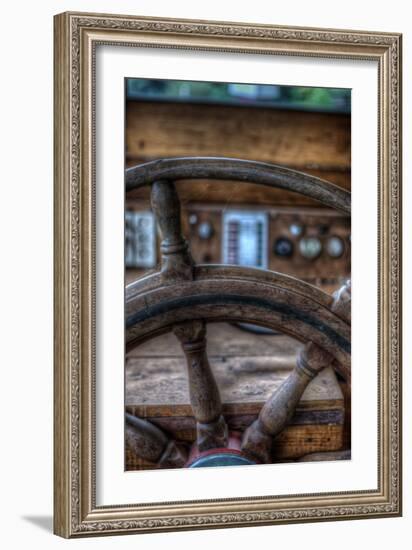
(245,235)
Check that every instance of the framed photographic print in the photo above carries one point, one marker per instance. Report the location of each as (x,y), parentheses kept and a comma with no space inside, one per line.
(227,274)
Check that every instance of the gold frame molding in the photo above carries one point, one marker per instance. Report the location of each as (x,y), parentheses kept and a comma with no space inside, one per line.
(75,39)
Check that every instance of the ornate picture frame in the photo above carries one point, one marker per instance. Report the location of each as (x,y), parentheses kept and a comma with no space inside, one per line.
(77,35)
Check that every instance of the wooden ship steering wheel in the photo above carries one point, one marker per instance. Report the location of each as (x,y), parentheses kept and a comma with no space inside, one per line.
(182,297)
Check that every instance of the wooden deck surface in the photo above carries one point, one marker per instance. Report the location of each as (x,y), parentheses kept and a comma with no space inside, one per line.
(248,368)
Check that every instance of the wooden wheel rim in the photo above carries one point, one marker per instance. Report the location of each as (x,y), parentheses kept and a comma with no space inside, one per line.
(260,297)
(222,168)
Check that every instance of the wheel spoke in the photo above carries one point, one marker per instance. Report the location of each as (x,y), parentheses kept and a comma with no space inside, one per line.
(177,263)
(280,407)
(148,442)
(204,394)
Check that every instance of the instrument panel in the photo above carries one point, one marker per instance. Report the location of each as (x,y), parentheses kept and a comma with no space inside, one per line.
(312,244)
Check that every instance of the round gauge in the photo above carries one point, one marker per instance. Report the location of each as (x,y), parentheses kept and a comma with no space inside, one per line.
(335,247)
(205,230)
(283,247)
(296,229)
(310,247)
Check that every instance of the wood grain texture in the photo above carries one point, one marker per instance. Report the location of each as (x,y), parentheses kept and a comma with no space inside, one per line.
(154,385)
(179,301)
(225,340)
(219,191)
(238,294)
(280,407)
(204,392)
(149,443)
(316,426)
(241,170)
(293,443)
(293,138)
(156,389)
(257,440)
(176,261)
(316,143)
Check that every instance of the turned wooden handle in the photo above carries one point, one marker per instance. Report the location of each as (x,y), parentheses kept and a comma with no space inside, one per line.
(204,394)
(148,442)
(280,407)
(176,259)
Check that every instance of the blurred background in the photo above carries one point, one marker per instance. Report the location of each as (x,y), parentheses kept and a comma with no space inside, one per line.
(307,129)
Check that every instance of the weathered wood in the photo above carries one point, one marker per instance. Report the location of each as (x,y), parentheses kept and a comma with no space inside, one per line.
(304,139)
(282,303)
(238,294)
(169,407)
(157,386)
(258,438)
(222,168)
(226,341)
(149,443)
(156,389)
(294,442)
(347,426)
(342,301)
(205,400)
(327,456)
(325,272)
(221,192)
(279,408)
(177,262)
(239,416)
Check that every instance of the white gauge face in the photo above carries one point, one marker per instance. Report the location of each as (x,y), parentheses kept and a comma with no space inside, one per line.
(310,247)
(335,247)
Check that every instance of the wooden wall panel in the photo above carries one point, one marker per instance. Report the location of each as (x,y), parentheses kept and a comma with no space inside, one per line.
(317,143)
(298,139)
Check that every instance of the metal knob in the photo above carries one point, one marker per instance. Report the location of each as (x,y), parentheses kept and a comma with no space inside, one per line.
(283,247)
(205,230)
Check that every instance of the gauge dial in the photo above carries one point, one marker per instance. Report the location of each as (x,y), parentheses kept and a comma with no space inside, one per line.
(310,247)
(283,247)
(335,247)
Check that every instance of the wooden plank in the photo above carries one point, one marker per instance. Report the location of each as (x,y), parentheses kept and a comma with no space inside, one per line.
(158,386)
(316,143)
(292,138)
(156,389)
(183,428)
(225,340)
(230,193)
(347,433)
(294,442)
